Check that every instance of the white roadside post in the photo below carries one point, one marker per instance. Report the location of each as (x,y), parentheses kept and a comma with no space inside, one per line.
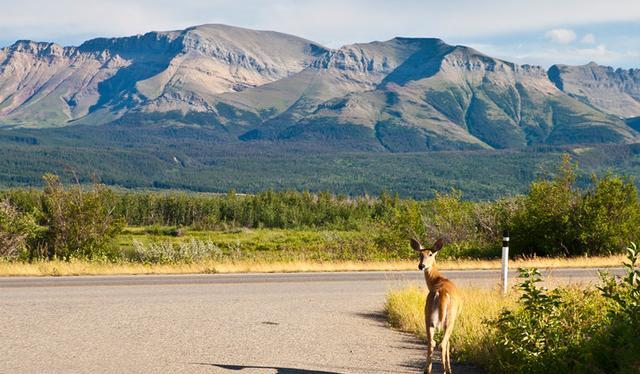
(505,261)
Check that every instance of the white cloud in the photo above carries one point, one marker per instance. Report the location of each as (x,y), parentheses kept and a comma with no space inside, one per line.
(599,53)
(332,22)
(515,26)
(588,39)
(561,36)
(546,55)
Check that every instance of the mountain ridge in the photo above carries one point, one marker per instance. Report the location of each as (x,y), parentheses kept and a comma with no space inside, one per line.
(399,95)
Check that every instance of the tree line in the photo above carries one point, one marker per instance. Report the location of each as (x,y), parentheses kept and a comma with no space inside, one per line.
(268,209)
(554,217)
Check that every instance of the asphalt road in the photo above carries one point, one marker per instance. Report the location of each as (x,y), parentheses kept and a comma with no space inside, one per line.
(247,323)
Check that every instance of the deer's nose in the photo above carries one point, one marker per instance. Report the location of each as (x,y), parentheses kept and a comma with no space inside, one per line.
(421,266)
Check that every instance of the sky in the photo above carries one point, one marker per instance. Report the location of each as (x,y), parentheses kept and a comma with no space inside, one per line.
(541,32)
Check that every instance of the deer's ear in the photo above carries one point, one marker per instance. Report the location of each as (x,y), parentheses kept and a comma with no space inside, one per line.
(438,245)
(416,245)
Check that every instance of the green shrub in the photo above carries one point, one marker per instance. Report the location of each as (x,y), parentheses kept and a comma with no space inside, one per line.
(17,230)
(570,330)
(268,209)
(543,225)
(557,219)
(617,349)
(607,217)
(451,219)
(547,331)
(80,223)
(469,229)
(404,220)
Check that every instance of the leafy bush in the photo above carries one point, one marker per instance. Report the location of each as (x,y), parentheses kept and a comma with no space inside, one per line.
(16,231)
(570,330)
(607,218)
(547,330)
(269,209)
(543,225)
(400,222)
(617,349)
(557,219)
(469,229)
(80,223)
(451,219)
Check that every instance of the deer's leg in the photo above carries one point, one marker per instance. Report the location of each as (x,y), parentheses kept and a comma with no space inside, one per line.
(446,359)
(448,329)
(430,348)
(430,329)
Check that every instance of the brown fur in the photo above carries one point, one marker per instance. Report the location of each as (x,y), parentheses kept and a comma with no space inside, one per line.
(443,299)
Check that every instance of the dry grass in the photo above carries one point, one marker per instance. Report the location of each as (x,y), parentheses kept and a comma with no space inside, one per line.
(78,267)
(537,262)
(202,267)
(405,311)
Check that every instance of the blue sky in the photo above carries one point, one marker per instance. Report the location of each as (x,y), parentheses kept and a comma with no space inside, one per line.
(525,31)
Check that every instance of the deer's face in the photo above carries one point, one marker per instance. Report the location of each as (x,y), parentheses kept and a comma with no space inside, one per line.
(427,255)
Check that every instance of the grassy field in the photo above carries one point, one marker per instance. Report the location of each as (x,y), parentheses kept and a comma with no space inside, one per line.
(169,250)
(324,246)
(262,250)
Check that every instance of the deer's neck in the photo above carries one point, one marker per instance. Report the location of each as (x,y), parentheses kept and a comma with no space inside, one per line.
(431,275)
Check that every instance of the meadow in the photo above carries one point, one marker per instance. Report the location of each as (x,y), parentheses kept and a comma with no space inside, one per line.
(141,250)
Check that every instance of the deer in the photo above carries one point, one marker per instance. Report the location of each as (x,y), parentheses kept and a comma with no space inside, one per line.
(442,305)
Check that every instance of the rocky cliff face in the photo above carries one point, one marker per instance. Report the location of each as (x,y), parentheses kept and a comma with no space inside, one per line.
(405,94)
(612,90)
(45,84)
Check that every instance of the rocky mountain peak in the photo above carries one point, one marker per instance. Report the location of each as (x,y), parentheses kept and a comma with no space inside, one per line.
(614,90)
(469,59)
(151,42)
(38,49)
(378,57)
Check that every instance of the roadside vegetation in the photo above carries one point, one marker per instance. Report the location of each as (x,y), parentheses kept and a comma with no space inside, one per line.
(260,265)
(536,330)
(554,223)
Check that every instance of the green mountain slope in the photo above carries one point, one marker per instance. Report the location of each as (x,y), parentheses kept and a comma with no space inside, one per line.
(444,97)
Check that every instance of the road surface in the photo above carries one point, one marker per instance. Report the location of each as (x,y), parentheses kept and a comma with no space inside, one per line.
(237,323)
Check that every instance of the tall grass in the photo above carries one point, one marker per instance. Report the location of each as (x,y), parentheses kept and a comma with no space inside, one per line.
(209,266)
(563,330)
(405,310)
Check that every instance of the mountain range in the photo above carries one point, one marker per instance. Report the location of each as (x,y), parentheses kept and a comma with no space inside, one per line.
(243,86)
